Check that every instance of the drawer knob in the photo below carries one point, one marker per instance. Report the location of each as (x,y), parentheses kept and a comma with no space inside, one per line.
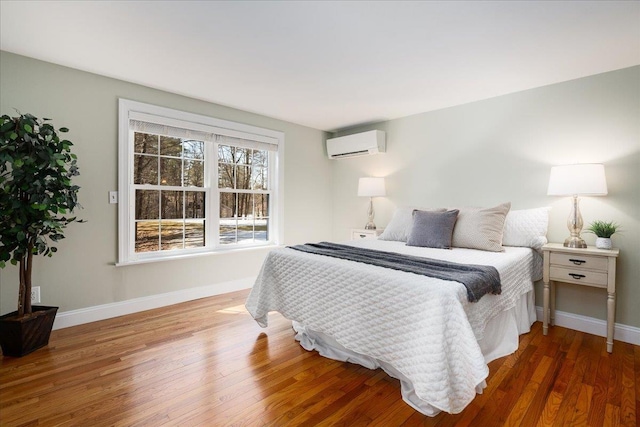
(577,276)
(363,235)
(577,261)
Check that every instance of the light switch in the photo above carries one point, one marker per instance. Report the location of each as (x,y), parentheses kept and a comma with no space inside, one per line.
(113,197)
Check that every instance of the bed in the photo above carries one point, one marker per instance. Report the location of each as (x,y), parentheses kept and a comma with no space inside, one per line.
(420,330)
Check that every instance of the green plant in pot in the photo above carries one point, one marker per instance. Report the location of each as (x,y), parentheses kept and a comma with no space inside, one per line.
(36,198)
(603,231)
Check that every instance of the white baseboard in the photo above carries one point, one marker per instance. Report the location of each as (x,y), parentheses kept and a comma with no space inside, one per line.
(107,311)
(590,325)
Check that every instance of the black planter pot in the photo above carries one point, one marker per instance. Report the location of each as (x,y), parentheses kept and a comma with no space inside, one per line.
(19,337)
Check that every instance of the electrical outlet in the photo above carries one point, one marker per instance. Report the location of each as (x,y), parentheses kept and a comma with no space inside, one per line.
(35,294)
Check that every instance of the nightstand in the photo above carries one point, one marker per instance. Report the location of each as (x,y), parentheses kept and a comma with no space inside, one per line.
(361,233)
(587,267)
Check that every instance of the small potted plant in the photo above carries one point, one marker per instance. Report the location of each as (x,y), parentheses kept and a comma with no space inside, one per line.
(603,231)
(36,195)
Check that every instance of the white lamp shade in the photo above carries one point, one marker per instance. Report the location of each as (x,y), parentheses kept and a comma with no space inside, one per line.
(587,179)
(371,187)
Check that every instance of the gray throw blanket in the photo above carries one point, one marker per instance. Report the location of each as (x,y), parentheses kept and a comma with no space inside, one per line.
(478,279)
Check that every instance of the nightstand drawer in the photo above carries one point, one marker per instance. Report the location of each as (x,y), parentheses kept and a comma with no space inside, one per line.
(579,276)
(579,261)
(357,234)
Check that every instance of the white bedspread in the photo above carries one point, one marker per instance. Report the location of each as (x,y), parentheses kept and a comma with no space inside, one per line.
(423,327)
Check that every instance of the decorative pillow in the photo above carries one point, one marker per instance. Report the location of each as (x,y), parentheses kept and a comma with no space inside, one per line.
(481,228)
(526,227)
(432,229)
(400,224)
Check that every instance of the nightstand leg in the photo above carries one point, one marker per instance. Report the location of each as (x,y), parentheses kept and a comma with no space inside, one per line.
(552,309)
(545,310)
(611,315)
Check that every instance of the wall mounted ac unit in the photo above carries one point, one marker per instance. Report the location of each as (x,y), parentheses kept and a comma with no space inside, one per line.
(358,144)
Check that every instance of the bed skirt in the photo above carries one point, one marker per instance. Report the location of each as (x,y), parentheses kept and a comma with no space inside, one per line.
(501,338)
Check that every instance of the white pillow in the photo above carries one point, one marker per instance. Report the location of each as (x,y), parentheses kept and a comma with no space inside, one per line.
(481,228)
(526,227)
(400,225)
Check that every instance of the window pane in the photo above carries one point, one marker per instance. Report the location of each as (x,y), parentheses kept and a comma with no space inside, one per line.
(228,225)
(145,169)
(243,177)
(245,205)
(147,236)
(193,149)
(228,205)
(227,231)
(245,230)
(172,205)
(258,178)
(147,204)
(224,154)
(194,204)
(261,229)
(172,236)
(226,175)
(259,158)
(261,207)
(240,155)
(193,173)
(145,143)
(170,171)
(261,223)
(194,233)
(170,146)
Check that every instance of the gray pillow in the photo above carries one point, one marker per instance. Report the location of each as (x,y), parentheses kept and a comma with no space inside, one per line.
(432,229)
(400,224)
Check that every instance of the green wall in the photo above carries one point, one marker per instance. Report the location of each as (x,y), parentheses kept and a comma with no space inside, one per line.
(501,149)
(82,273)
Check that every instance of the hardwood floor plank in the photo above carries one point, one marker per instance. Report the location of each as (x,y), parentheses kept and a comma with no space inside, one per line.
(581,410)
(636,363)
(527,397)
(570,396)
(468,415)
(518,380)
(614,392)
(612,415)
(536,407)
(317,390)
(207,363)
(380,404)
(599,398)
(629,380)
(394,417)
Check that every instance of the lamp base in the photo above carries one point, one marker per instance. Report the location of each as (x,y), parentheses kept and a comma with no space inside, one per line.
(574,223)
(575,242)
(370,212)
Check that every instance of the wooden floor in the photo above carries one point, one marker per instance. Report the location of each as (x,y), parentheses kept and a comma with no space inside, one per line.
(207,363)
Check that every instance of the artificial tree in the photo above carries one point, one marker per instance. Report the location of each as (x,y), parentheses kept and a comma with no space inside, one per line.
(36,195)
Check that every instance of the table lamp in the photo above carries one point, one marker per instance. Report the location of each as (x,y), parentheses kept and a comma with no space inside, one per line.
(371,187)
(586,179)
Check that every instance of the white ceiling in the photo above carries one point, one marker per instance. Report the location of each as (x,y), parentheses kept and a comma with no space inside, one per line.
(330,65)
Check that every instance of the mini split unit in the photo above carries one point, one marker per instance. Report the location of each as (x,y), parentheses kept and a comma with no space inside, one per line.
(358,144)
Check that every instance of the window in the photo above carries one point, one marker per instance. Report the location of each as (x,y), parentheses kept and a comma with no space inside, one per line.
(190,184)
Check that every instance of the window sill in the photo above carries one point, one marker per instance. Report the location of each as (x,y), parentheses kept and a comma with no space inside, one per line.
(198,254)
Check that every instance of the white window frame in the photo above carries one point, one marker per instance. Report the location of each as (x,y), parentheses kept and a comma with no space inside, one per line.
(129,109)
